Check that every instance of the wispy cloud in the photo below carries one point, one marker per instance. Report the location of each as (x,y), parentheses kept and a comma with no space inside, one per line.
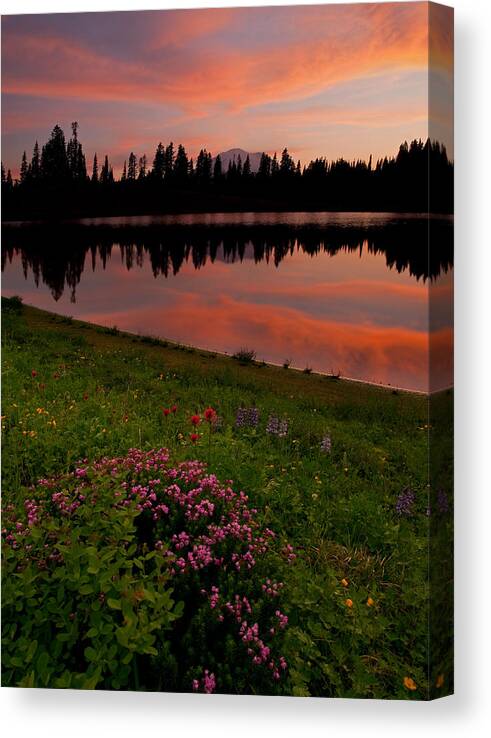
(227,69)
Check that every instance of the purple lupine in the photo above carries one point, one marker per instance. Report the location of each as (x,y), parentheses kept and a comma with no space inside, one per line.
(405,502)
(247,416)
(326,444)
(442,501)
(253,417)
(277,427)
(283,428)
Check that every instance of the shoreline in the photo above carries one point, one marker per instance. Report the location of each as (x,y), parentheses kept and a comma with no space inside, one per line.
(198,214)
(212,354)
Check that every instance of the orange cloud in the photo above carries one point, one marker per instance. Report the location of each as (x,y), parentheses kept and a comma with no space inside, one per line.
(353,289)
(387,355)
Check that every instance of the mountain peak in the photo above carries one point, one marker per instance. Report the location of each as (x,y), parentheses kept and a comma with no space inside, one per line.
(232,155)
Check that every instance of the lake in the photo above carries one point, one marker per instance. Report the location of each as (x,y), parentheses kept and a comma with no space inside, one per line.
(354,293)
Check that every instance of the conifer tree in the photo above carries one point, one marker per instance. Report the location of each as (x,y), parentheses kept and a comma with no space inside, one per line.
(132,167)
(24,170)
(274,166)
(54,160)
(169,157)
(217,169)
(95,170)
(35,162)
(181,165)
(246,170)
(142,167)
(105,176)
(158,167)
(264,170)
(287,166)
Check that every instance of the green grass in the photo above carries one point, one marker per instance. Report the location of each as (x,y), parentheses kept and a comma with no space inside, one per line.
(98,392)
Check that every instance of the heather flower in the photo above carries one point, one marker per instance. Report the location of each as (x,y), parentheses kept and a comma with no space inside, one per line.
(207,683)
(289,553)
(201,530)
(326,444)
(282,619)
(405,502)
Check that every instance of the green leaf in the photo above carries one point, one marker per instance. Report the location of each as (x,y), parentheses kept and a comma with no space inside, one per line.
(90,654)
(31,651)
(93,680)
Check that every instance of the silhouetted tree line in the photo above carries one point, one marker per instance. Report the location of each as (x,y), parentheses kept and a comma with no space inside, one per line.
(56,183)
(43,248)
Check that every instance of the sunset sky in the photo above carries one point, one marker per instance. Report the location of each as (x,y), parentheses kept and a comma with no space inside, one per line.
(339,80)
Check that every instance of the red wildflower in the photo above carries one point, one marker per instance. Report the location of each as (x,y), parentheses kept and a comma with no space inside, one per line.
(194,437)
(34,373)
(209,414)
(166,411)
(86,396)
(174,409)
(195,419)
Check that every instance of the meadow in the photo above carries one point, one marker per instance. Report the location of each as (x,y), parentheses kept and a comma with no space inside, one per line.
(175,519)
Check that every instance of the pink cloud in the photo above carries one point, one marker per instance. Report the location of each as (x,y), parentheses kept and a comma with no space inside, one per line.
(53,66)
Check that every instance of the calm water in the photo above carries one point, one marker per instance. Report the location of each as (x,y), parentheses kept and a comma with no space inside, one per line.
(345,292)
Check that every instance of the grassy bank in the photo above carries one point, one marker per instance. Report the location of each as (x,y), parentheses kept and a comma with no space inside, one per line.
(356,593)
